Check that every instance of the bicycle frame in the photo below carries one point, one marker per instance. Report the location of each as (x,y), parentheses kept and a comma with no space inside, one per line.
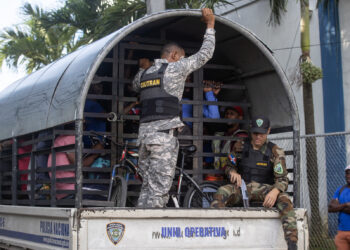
(122,161)
(183,175)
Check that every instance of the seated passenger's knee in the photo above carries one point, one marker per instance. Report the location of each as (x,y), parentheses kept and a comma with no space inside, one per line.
(218,201)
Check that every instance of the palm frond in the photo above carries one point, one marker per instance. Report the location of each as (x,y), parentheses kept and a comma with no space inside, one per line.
(278,8)
(195,4)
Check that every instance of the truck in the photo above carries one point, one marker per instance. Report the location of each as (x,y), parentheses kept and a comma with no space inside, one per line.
(52,102)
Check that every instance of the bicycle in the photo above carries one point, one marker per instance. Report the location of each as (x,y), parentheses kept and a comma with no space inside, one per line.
(117,189)
(119,182)
(198,195)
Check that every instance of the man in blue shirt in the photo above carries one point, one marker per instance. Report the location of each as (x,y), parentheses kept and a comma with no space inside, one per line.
(209,111)
(92,106)
(341,203)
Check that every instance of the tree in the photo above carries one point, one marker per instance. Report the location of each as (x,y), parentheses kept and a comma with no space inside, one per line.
(32,44)
(49,35)
(309,74)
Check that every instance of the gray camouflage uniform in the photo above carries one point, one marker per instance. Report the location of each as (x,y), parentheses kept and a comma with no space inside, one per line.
(158,150)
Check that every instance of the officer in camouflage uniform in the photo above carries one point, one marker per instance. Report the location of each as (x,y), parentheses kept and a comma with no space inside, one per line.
(161,86)
(262,166)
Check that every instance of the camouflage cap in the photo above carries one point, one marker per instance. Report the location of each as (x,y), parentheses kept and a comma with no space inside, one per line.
(259,124)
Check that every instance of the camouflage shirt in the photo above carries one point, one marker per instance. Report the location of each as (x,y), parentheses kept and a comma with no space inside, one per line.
(174,80)
(279,166)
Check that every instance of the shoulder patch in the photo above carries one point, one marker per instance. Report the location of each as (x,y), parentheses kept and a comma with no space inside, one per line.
(278,168)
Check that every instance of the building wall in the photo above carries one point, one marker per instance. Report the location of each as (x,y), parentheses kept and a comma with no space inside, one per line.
(344,18)
(284,41)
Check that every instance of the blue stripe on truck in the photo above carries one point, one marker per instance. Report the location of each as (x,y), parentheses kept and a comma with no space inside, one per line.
(57,242)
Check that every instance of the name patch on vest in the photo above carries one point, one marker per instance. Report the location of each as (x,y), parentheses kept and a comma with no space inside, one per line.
(261,164)
(150,83)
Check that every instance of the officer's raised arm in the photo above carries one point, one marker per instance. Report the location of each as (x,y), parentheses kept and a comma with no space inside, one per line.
(206,51)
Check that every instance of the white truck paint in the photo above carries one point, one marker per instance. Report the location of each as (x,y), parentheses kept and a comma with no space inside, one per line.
(113,228)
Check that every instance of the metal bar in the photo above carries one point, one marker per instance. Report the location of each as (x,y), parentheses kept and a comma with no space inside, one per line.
(224,67)
(35,140)
(252,74)
(95,115)
(99,97)
(210,120)
(160,41)
(14,171)
(198,126)
(326,134)
(296,170)
(1,182)
(108,60)
(97,151)
(79,162)
(120,108)
(32,176)
(226,104)
(62,168)
(103,78)
(281,130)
(53,172)
(151,47)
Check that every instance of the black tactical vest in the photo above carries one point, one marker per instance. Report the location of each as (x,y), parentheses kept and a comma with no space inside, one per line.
(256,166)
(156,103)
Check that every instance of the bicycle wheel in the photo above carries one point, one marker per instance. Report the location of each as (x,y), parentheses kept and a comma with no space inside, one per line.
(195,199)
(119,192)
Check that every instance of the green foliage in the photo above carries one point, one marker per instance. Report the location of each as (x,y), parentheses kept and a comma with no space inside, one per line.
(48,35)
(119,15)
(32,44)
(278,8)
(310,73)
(195,4)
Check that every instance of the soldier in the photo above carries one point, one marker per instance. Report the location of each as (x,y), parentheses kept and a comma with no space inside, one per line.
(262,166)
(162,86)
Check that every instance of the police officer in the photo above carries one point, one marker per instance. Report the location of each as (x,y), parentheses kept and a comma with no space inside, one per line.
(261,164)
(161,86)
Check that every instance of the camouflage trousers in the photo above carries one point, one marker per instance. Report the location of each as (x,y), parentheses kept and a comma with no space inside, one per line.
(158,153)
(229,195)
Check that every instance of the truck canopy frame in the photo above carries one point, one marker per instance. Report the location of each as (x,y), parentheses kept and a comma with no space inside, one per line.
(57,93)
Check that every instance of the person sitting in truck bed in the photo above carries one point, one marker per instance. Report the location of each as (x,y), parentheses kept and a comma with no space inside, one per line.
(93,106)
(68,158)
(209,111)
(226,146)
(262,165)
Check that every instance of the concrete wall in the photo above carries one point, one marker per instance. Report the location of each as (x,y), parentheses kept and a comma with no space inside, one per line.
(284,40)
(344,9)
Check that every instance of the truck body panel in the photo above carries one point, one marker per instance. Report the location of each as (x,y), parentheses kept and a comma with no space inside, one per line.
(113,228)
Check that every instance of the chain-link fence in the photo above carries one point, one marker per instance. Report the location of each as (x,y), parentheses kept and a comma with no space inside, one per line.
(323,159)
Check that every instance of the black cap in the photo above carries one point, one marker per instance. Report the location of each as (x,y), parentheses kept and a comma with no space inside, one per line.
(259,124)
